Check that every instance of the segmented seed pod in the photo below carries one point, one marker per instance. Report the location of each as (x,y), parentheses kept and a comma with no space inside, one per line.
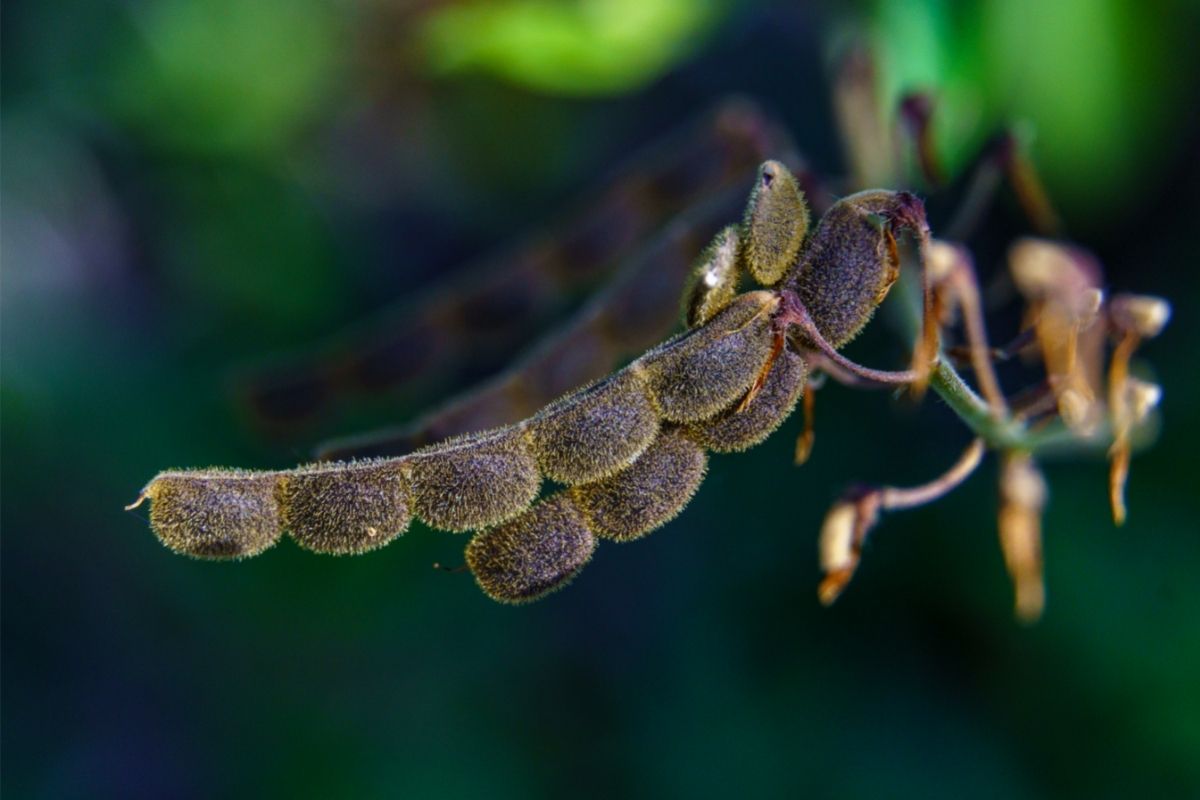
(850,261)
(595,432)
(532,555)
(473,482)
(345,509)
(648,494)
(215,514)
(733,430)
(713,281)
(695,376)
(775,225)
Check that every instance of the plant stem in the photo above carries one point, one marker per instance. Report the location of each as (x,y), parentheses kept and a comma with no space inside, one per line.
(1005,433)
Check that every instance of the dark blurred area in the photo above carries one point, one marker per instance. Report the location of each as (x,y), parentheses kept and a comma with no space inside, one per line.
(194,186)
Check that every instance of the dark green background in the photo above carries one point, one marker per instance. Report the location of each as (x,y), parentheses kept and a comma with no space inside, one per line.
(191,186)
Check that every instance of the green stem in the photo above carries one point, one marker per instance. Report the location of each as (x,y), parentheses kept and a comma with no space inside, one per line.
(1003,433)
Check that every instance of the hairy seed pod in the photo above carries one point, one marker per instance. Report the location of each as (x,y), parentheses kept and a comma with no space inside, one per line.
(595,432)
(713,280)
(700,373)
(648,494)
(345,509)
(775,225)
(215,514)
(530,556)
(473,482)
(849,263)
(732,430)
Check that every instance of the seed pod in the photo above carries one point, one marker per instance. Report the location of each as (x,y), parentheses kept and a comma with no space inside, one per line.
(473,482)
(775,224)
(593,433)
(649,493)
(734,430)
(849,263)
(345,509)
(713,280)
(530,556)
(215,514)
(695,376)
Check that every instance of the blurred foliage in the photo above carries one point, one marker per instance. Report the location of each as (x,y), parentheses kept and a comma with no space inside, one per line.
(584,47)
(1091,80)
(185,186)
(226,74)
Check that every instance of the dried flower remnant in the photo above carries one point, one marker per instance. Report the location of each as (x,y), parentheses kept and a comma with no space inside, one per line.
(1062,285)
(1022,499)
(1133,317)
(850,520)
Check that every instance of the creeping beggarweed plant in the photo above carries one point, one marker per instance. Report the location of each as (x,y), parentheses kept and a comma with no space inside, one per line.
(628,451)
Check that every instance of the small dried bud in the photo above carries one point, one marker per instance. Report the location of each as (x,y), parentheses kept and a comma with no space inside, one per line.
(940,260)
(1141,314)
(1023,496)
(1047,271)
(1091,301)
(1062,284)
(842,534)
(1142,398)
(1131,402)
(1079,411)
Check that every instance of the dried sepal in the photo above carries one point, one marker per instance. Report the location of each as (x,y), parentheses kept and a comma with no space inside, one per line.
(1062,285)
(951,273)
(1130,403)
(808,436)
(1143,315)
(850,520)
(839,546)
(1133,317)
(1022,499)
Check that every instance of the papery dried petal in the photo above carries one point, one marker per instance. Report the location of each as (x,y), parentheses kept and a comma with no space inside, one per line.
(1022,499)
(838,547)
(1142,314)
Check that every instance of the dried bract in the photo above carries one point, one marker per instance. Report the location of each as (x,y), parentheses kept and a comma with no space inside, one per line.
(1022,499)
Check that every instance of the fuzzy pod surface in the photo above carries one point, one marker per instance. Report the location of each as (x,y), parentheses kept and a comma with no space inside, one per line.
(595,432)
(227,514)
(345,509)
(847,267)
(733,431)
(532,555)
(703,371)
(473,482)
(775,224)
(648,494)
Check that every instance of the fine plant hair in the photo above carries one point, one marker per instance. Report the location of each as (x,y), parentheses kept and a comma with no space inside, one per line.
(476,481)
(627,452)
